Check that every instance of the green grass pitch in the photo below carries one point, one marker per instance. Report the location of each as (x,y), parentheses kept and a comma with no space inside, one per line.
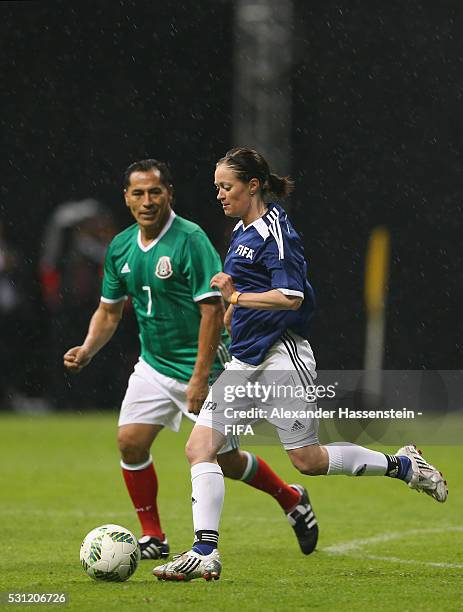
(381,546)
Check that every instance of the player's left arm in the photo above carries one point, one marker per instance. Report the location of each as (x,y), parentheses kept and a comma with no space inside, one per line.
(210,328)
(227,319)
(201,262)
(274,299)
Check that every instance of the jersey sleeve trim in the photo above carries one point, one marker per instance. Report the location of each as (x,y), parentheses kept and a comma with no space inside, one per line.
(291,292)
(262,228)
(203,296)
(275,229)
(109,301)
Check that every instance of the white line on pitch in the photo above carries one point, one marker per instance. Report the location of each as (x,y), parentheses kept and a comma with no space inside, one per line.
(413,561)
(354,547)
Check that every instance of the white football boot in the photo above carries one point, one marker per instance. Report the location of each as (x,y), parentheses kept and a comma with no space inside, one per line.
(190,565)
(425,477)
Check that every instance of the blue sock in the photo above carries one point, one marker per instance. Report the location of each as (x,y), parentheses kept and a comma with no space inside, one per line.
(399,467)
(202,549)
(405,472)
(206,540)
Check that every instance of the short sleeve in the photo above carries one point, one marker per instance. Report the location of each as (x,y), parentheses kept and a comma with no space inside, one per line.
(200,262)
(113,289)
(285,262)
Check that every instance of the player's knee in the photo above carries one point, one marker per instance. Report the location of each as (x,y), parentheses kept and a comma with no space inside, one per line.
(197,450)
(132,452)
(190,452)
(309,460)
(304,466)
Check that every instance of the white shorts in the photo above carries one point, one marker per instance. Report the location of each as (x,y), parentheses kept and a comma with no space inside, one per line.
(271,391)
(154,399)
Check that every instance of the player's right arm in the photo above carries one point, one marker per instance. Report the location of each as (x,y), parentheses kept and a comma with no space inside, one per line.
(103,324)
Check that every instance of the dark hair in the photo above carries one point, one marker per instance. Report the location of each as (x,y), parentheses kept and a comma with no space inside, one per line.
(145,165)
(248,163)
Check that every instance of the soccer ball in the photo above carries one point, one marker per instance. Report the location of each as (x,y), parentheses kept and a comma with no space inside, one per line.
(110,553)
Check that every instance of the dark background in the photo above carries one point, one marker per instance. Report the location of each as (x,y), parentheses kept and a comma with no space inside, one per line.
(376,138)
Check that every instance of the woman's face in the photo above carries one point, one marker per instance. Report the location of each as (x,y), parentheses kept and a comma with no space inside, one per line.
(232,193)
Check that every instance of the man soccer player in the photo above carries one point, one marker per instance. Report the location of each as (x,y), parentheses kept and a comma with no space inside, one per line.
(271,305)
(164,263)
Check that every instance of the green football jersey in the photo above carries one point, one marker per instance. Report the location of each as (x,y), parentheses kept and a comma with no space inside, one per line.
(165,280)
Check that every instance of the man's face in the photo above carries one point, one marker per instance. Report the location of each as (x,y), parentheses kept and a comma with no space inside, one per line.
(148,198)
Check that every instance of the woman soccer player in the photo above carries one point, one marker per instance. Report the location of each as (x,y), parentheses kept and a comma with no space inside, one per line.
(271,306)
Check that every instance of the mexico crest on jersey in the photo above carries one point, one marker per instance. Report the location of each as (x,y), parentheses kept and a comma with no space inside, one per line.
(163,267)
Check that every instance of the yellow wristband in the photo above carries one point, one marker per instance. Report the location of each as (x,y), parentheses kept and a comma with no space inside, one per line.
(234,297)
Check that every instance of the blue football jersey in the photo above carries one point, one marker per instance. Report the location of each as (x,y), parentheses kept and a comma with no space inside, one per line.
(267,254)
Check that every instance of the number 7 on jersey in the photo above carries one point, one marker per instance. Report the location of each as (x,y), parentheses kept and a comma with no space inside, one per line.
(150,300)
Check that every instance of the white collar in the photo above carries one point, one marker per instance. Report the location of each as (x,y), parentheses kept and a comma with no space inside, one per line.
(164,230)
(258,223)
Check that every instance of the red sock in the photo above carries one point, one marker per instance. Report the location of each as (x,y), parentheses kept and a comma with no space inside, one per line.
(143,489)
(261,476)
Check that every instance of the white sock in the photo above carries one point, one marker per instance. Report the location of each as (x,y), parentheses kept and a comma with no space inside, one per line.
(354,460)
(208,491)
